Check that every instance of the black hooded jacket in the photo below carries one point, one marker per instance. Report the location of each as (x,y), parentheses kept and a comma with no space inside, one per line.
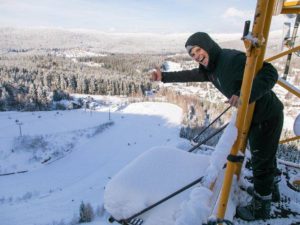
(225,70)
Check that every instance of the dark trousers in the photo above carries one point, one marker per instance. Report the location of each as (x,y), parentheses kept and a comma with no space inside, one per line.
(263,139)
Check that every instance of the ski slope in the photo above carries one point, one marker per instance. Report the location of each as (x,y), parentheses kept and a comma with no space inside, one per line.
(50,193)
(53,192)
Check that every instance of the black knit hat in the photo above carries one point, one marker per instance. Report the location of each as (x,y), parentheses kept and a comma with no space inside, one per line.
(204,41)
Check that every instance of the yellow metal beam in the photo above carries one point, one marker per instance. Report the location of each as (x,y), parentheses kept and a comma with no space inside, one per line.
(255,55)
(283,54)
(291,3)
(290,7)
(251,107)
(286,85)
(290,11)
(289,139)
(296,182)
(286,7)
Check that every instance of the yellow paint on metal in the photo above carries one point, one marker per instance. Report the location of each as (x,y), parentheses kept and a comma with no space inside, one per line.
(291,3)
(296,184)
(291,7)
(255,55)
(289,140)
(283,54)
(290,11)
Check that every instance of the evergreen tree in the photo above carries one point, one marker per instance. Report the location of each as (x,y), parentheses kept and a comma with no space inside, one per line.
(86,213)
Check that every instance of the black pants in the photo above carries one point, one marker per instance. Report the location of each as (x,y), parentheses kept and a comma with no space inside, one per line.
(263,139)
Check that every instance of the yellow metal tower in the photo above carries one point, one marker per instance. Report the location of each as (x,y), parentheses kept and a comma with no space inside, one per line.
(255,43)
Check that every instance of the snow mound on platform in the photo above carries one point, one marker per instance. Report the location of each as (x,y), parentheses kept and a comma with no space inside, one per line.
(149,178)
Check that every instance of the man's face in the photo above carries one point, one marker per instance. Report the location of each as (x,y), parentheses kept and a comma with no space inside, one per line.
(200,55)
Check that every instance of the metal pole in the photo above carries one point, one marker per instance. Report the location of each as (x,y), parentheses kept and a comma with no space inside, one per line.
(289,57)
(260,61)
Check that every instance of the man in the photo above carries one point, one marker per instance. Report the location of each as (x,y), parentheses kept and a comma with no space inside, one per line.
(225,69)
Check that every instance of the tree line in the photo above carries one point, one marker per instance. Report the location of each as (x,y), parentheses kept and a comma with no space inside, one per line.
(26,82)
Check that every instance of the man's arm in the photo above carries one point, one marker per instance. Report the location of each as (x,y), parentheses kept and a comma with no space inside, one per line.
(194,75)
(264,81)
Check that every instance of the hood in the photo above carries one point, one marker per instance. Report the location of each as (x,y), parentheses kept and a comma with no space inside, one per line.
(204,41)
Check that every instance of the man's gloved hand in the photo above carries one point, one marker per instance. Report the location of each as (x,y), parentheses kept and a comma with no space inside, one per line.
(234,101)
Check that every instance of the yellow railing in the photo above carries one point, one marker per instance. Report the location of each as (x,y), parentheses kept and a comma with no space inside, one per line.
(255,54)
(291,7)
(289,140)
(283,54)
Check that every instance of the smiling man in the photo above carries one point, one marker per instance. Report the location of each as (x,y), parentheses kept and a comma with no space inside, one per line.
(225,69)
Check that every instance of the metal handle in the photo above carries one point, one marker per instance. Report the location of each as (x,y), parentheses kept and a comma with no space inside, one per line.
(246,28)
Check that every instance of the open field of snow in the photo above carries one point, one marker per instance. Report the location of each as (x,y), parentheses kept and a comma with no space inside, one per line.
(74,42)
(53,192)
(50,193)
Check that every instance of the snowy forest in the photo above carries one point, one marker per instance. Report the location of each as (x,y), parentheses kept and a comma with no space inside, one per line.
(33,78)
(34,82)
(27,81)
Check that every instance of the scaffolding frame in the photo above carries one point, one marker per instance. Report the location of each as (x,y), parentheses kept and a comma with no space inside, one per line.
(255,44)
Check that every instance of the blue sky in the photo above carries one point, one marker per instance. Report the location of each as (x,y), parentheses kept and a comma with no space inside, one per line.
(155,16)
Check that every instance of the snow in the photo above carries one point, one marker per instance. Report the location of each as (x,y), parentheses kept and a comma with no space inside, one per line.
(54,191)
(193,212)
(198,207)
(169,66)
(136,186)
(223,147)
(142,140)
(76,42)
(129,192)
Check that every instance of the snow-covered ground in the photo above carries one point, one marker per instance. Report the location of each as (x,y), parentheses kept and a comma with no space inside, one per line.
(75,42)
(53,192)
(90,151)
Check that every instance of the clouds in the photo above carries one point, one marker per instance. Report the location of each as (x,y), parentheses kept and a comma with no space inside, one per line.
(236,17)
(163,16)
(232,12)
(233,19)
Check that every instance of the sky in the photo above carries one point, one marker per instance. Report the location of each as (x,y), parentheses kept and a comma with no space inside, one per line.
(155,16)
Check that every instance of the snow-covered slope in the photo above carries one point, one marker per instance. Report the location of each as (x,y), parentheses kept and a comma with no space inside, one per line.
(51,193)
(90,42)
